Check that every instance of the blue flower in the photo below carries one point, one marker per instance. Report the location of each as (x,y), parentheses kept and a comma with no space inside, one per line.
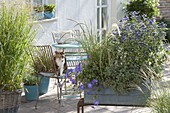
(88,56)
(138,33)
(127,28)
(151,48)
(89,85)
(151,22)
(162,25)
(96,102)
(66,74)
(139,17)
(121,21)
(143,26)
(88,92)
(78,68)
(94,81)
(123,38)
(157,49)
(82,87)
(134,13)
(126,18)
(154,33)
(70,70)
(73,81)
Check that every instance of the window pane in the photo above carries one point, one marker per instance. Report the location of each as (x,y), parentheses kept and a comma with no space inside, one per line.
(37,2)
(50,1)
(98,2)
(104,17)
(98,18)
(104,2)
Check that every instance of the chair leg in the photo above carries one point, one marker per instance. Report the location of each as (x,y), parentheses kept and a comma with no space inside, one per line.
(39,82)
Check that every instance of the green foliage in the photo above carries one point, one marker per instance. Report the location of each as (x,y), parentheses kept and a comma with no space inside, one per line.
(148,7)
(122,61)
(160,103)
(30,80)
(168,30)
(39,8)
(15,39)
(42,61)
(49,7)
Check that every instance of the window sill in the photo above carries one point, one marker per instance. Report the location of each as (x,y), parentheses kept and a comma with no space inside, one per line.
(45,20)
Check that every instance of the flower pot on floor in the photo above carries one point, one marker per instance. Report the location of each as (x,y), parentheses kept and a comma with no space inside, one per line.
(10,101)
(44,85)
(31,92)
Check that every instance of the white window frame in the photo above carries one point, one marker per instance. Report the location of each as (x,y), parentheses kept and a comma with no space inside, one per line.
(100,29)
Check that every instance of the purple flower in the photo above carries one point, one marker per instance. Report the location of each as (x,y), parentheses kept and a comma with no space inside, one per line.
(134,13)
(94,81)
(78,68)
(157,49)
(96,102)
(126,18)
(143,26)
(66,74)
(154,33)
(139,17)
(89,85)
(123,39)
(151,22)
(70,70)
(88,56)
(82,87)
(151,48)
(88,93)
(127,28)
(162,25)
(73,81)
(138,33)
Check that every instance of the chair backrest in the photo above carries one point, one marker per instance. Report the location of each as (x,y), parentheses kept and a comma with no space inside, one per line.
(43,59)
(66,36)
(62,37)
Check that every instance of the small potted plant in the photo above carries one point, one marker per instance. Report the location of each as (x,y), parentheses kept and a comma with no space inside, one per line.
(30,87)
(39,12)
(43,65)
(49,11)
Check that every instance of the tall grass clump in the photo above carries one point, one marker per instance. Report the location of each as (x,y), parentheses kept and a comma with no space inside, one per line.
(16,36)
(161,99)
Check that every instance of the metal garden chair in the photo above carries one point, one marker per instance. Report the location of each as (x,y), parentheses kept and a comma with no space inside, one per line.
(43,55)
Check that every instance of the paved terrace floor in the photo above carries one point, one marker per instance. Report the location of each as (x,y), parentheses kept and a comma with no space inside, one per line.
(48,103)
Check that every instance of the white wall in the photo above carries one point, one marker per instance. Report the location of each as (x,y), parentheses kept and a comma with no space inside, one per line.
(44,29)
(117,12)
(67,9)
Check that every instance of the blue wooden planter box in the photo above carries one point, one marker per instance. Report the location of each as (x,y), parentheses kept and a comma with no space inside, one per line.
(108,96)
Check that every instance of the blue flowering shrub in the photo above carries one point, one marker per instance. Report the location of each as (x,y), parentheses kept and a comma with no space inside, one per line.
(125,57)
